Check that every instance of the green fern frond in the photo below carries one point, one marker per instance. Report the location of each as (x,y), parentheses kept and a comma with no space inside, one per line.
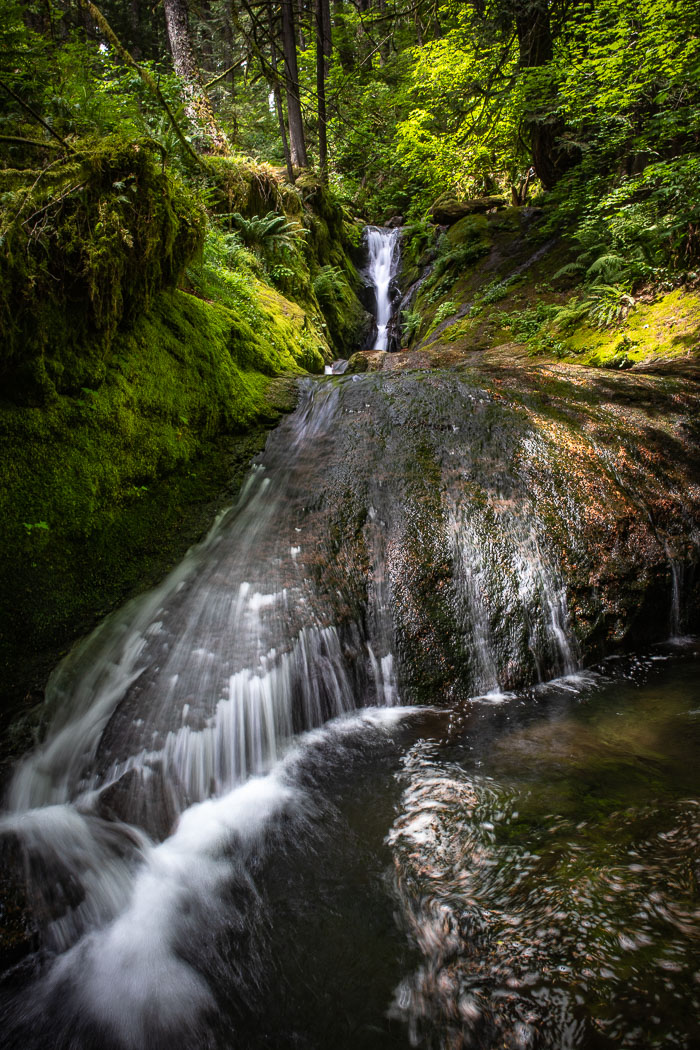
(329,285)
(568,270)
(609,267)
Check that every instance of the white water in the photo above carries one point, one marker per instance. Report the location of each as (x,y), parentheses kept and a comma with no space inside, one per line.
(214,670)
(383,249)
(131,973)
(165,711)
(196,732)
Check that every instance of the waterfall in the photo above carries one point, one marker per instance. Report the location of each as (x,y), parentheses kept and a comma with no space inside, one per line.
(383,250)
(181,731)
(199,684)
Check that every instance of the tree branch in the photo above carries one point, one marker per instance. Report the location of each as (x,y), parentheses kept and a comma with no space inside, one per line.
(113,39)
(28,142)
(25,105)
(224,74)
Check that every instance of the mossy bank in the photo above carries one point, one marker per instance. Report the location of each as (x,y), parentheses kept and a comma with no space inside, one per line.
(513,277)
(140,375)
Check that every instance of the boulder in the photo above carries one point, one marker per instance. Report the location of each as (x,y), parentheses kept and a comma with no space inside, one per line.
(447,212)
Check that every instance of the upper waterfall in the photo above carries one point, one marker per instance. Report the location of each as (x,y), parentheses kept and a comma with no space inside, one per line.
(383,251)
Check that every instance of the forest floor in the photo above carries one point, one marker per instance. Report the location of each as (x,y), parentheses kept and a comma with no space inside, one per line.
(504,280)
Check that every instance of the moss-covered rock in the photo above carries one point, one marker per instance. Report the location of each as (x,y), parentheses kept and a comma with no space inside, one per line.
(501,279)
(87,245)
(519,518)
(322,276)
(447,211)
(102,490)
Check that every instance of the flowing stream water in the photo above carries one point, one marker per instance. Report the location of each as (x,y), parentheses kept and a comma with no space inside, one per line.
(237,833)
(382,265)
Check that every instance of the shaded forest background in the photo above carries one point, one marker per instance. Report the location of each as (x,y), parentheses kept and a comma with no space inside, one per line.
(183,187)
(396,103)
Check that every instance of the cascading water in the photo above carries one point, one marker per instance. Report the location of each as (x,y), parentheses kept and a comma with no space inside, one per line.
(221,750)
(383,261)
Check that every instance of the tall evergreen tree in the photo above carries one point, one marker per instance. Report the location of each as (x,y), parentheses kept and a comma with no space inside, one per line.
(197,104)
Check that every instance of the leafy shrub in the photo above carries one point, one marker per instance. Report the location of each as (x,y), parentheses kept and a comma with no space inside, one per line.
(329,284)
(444,311)
(410,325)
(608,305)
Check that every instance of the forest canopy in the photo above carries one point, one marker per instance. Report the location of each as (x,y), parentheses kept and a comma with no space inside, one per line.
(397,103)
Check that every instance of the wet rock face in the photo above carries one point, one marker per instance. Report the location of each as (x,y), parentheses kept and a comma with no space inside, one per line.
(510,522)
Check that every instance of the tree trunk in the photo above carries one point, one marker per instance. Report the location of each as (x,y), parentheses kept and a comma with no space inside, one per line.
(197,104)
(321,73)
(135,28)
(300,25)
(534,31)
(327,36)
(206,47)
(277,94)
(343,44)
(384,46)
(291,73)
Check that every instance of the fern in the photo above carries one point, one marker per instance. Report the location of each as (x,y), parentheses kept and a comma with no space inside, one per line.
(608,305)
(569,270)
(269,234)
(609,268)
(410,325)
(329,285)
(570,315)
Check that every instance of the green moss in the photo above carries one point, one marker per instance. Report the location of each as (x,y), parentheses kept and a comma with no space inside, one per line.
(97,487)
(86,246)
(470,228)
(130,405)
(668,327)
(244,185)
(513,296)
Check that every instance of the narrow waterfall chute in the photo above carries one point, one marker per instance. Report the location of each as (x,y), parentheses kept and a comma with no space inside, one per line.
(383,261)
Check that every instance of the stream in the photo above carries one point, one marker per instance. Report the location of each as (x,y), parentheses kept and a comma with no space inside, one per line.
(292,797)
(383,252)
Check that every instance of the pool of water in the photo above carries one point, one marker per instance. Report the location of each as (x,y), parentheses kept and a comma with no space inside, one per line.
(519,872)
(523,872)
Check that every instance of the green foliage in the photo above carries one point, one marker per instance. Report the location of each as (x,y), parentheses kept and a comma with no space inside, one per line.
(84,246)
(497,289)
(608,305)
(270,234)
(417,237)
(445,310)
(410,325)
(527,325)
(451,262)
(329,285)
(603,306)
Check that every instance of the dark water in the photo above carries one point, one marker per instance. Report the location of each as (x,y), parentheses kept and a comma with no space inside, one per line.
(234,832)
(521,872)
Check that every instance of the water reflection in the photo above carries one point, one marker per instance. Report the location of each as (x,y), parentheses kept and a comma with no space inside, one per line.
(546,867)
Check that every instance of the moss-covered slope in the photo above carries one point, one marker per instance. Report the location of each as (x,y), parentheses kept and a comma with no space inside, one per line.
(508,278)
(138,379)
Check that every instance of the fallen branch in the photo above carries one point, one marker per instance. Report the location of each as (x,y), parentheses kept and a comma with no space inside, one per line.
(25,105)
